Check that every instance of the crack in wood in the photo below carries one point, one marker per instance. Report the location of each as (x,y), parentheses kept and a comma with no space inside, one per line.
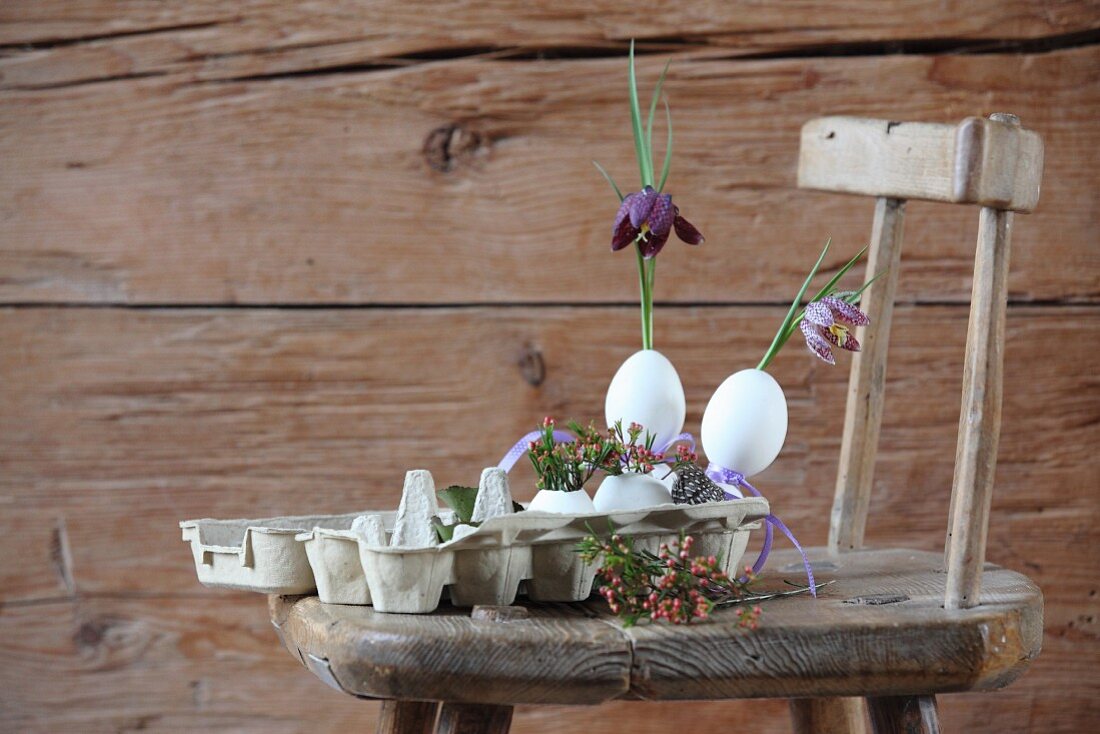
(61,555)
(579,52)
(52,43)
(928,47)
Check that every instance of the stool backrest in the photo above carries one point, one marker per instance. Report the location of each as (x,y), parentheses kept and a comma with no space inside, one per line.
(994,164)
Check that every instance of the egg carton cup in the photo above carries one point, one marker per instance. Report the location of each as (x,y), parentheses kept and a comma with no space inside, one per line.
(395,562)
(263,555)
(529,552)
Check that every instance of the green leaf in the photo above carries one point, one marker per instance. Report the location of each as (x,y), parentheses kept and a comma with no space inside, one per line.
(853,297)
(780,336)
(668,150)
(607,176)
(644,166)
(445,532)
(828,289)
(461,500)
(653,109)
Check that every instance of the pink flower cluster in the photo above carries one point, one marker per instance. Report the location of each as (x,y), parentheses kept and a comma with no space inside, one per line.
(676,587)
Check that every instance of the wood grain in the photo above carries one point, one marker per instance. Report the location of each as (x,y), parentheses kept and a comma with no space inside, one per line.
(867,381)
(321,188)
(904,715)
(979,161)
(349,153)
(840,644)
(980,415)
(559,655)
(191,413)
(828,716)
(49,45)
(407,717)
(458,718)
(161,665)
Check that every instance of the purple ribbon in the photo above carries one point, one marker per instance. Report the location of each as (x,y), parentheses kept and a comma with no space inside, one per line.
(524,443)
(715,472)
(737,479)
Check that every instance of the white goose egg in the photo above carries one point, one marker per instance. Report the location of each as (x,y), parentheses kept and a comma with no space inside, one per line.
(647,390)
(745,422)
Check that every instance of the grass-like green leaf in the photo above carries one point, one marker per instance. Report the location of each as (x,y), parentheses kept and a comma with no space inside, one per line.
(645,168)
(668,150)
(653,110)
(784,330)
(607,176)
(828,288)
(853,297)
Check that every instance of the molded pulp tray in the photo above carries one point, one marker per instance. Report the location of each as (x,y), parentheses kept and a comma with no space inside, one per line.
(261,555)
(489,565)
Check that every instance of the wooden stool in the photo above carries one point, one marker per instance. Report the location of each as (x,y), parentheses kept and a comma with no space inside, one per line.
(895,628)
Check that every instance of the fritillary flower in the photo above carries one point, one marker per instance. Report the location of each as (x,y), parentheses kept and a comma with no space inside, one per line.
(648,217)
(829,323)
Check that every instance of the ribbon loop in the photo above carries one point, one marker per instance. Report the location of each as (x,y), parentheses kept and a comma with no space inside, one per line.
(521,446)
(736,480)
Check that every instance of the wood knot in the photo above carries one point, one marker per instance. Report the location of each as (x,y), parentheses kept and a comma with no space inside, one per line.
(532,366)
(487,613)
(448,144)
(91,633)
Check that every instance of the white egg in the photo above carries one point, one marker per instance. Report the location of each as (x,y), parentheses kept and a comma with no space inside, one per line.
(565,503)
(745,422)
(631,492)
(647,390)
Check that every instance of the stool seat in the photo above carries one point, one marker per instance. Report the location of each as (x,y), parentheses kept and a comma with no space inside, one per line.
(879,629)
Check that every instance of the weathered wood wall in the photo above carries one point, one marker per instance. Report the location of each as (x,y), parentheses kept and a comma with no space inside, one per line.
(259,258)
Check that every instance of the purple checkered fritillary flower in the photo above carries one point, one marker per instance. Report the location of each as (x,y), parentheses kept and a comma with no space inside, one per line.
(648,217)
(828,323)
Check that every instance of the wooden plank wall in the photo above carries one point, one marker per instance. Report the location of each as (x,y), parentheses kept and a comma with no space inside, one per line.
(259,258)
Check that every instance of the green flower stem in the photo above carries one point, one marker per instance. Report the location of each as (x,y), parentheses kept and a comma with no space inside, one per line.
(828,290)
(651,271)
(783,334)
(647,300)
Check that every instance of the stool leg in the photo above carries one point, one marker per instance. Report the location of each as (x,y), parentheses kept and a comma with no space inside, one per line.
(828,716)
(407,717)
(474,718)
(904,715)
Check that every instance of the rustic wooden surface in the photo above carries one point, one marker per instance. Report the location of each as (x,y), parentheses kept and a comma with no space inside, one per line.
(828,716)
(867,380)
(878,629)
(407,717)
(344,188)
(904,715)
(220,262)
(459,718)
(980,161)
(560,655)
(980,414)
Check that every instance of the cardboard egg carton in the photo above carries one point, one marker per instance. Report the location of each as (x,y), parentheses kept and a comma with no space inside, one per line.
(395,561)
(263,555)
